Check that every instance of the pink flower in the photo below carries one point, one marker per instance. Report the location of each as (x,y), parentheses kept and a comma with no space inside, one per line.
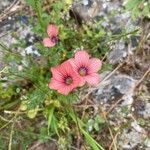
(86,67)
(64,79)
(52,31)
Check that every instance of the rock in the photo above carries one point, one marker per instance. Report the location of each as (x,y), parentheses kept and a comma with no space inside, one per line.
(32,50)
(4,4)
(86,9)
(131,139)
(137,127)
(117,117)
(145,112)
(102,10)
(116,87)
(119,52)
(12,31)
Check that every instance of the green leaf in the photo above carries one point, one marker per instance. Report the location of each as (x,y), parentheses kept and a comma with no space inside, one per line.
(50,116)
(54,125)
(30,2)
(91,141)
(35,98)
(132,4)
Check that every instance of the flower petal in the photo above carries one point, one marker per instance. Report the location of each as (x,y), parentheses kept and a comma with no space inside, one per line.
(81,58)
(54,84)
(73,64)
(82,82)
(57,75)
(65,90)
(48,43)
(66,69)
(93,79)
(77,81)
(52,30)
(94,65)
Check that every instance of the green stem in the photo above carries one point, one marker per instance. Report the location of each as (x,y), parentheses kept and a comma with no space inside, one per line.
(4,47)
(38,9)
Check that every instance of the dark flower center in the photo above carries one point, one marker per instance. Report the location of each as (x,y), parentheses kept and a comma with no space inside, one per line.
(68,80)
(54,39)
(83,71)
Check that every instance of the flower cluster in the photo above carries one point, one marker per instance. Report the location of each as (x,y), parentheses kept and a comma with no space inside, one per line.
(52,31)
(75,72)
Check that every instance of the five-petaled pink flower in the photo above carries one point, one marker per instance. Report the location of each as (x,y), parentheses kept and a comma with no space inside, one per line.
(64,79)
(52,31)
(86,67)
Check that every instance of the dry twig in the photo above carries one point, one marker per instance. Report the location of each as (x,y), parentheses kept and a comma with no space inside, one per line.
(110,131)
(10,10)
(143,77)
(113,106)
(114,140)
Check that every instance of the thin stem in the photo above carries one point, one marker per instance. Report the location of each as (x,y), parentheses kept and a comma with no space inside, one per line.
(77,123)
(8,50)
(38,10)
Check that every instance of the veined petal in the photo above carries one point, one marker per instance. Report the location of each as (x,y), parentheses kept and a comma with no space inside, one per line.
(57,74)
(73,64)
(78,81)
(48,42)
(65,90)
(93,79)
(81,58)
(94,65)
(55,84)
(66,68)
(52,30)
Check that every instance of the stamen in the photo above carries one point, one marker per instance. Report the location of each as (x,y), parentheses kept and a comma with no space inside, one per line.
(68,80)
(54,39)
(83,71)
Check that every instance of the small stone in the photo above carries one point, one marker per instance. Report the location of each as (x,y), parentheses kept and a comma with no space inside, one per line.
(137,127)
(118,53)
(20,67)
(85,2)
(132,109)
(145,110)
(29,50)
(129,139)
(9,18)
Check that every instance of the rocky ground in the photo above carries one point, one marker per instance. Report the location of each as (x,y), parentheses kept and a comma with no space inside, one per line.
(124,93)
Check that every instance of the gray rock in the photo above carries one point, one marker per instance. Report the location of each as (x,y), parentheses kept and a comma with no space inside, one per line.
(32,50)
(117,87)
(4,4)
(145,112)
(11,31)
(86,9)
(137,127)
(130,139)
(118,53)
